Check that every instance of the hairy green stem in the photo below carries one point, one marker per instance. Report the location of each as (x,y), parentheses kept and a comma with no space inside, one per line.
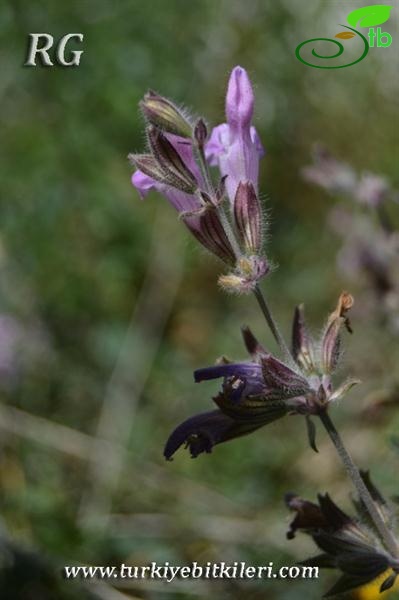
(270,321)
(354,475)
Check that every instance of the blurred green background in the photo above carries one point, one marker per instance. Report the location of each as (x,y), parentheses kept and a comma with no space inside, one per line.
(107,305)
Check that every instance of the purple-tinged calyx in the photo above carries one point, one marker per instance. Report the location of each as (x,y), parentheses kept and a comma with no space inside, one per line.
(207,228)
(171,162)
(248,217)
(280,377)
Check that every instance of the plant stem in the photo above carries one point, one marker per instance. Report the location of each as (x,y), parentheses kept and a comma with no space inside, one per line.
(270,321)
(359,484)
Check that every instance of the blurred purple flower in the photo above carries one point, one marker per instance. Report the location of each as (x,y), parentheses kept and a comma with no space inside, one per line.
(372,189)
(338,177)
(329,173)
(235,146)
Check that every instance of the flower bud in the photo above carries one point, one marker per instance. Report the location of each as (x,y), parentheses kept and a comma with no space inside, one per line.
(248,217)
(162,113)
(200,133)
(169,160)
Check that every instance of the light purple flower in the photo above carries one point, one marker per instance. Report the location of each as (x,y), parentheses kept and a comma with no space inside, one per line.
(203,223)
(372,189)
(235,146)
(181,201)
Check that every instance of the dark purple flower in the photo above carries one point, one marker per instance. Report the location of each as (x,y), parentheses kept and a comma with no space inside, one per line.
(246,401)
(346,543)
(201,432)
(259,391)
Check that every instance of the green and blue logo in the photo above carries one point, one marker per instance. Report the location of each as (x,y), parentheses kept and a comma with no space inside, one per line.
(370,17)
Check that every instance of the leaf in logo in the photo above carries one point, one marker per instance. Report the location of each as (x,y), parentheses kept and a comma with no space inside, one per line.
(369,16)
(345,35)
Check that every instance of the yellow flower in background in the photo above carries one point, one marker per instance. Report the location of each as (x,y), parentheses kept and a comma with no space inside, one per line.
(371,591)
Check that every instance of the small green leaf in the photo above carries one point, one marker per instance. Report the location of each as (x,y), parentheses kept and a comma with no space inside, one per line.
(369,16)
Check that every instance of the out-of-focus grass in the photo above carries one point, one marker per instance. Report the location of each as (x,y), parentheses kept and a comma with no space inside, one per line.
(77,248)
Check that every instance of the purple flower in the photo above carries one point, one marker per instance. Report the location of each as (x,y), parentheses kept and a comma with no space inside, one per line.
(181,201)
(235,146)
(372,189)
(176,165)
(345,542)
(253,394)
(261,390)
(169,170)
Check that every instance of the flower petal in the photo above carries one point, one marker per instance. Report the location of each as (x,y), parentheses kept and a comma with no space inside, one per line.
(143,183)
(201,432)
(239,99)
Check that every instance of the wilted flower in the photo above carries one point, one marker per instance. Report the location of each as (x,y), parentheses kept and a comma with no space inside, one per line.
(348,544)
(176,166)
(235,146)
(259,391)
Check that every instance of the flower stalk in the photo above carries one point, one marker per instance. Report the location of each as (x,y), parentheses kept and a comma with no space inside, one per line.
(355,477)
(347,461)
(271,321)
